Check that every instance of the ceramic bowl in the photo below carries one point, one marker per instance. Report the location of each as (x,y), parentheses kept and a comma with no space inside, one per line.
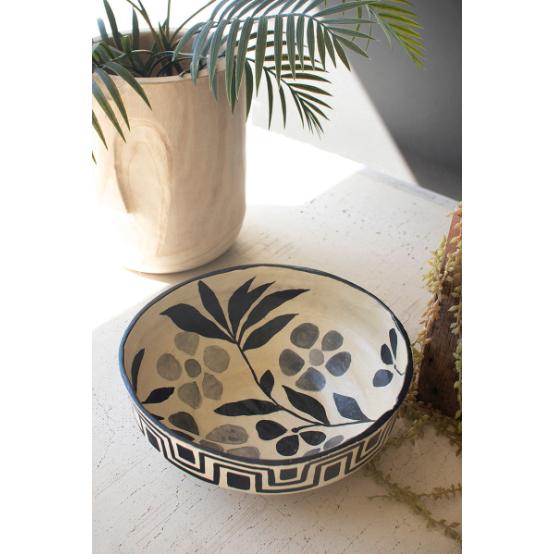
(268,379)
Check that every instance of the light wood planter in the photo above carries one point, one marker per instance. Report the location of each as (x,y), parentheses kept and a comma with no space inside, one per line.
(174,193)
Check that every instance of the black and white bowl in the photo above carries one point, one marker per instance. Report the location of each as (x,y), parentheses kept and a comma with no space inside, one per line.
(269,379)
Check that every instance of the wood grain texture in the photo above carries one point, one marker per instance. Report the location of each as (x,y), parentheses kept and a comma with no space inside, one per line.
(174,192)
(371,233)
(438,373)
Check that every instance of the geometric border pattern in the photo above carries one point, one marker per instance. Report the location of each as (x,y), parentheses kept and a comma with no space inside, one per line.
(264,479)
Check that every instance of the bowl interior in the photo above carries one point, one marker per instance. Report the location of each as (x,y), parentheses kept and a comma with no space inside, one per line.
(267,362)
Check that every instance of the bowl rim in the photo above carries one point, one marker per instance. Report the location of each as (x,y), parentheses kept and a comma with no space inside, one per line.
(372,429)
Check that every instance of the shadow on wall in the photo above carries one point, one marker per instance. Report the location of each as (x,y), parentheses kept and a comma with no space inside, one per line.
(387,105)
(422,109)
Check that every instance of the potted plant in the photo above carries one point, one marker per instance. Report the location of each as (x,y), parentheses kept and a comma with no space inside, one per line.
(170,105)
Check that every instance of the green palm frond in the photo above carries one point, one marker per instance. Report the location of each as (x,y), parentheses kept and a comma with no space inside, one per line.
(290,41)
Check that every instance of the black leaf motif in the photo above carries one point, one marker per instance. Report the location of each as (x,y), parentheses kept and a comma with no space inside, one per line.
(135,368)
(159,395)
(393,341)
(184,421)
(313,438)
(266,382)
(386,355)
(307,404)
(269,430)
(188,318)
(268,304)
(212,305)
(382,378)
(262,335)
(288,446)
(349,408)
(247,407)
(158,417)
(241,301)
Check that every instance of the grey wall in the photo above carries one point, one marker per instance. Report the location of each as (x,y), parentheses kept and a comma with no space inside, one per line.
(421,109)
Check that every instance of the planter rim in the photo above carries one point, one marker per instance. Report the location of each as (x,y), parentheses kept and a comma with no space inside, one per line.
(161,80)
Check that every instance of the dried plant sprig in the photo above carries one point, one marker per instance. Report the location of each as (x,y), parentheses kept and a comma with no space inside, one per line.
(422,415)
(415,500)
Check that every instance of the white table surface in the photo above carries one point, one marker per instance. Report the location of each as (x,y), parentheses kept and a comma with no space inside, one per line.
(333,215)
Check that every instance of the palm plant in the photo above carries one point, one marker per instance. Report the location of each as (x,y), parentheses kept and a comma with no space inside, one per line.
(291,42)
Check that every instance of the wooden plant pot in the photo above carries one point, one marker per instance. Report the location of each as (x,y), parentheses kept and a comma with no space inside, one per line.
(173,194)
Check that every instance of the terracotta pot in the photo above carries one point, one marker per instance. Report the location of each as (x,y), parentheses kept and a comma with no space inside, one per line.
(174,193)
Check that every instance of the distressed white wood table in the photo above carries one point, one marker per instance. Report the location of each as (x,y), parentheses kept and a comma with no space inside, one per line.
(333,215)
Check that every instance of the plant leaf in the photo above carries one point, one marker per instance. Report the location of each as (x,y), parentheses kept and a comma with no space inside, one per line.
(137,360)
(307,404)
(98,129)
(249,82)
(105,105)
(136,31)
(198,45)
(392,8)
(186,37)
(348,407)
(268,304)
(230,58)
(311,41)
(310,88)
(215,47)
(269,97)
(267,382)
(329,45)
(189,319)
(283,105)
(129,79)
(382,378)
(212,305)
(262,335)
(400,19)
(278,47)
(113,24)
(159,395)
(352,46)
(341,8)
(102,29)
(113,90)
(241,52)
(341,53)
(321,44)
(261,44)
(247,408)
(291,44)
(300,39)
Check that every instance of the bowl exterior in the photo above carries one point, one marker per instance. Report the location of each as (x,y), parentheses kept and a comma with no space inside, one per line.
(263,476)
